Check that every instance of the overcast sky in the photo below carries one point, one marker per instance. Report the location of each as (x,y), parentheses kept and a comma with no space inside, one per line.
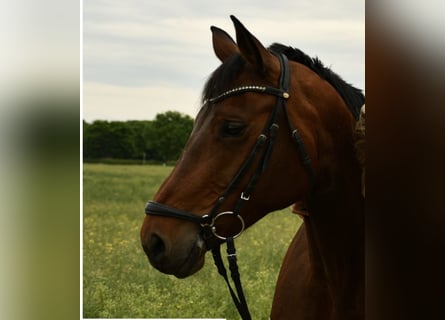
(146,57)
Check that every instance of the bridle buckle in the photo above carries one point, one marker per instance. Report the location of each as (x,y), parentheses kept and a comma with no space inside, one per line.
(244,197)
(206,221)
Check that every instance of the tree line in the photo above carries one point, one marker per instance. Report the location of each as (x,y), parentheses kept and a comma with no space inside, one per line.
(159,140)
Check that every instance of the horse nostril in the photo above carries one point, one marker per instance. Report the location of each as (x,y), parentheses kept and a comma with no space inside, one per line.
(156,248)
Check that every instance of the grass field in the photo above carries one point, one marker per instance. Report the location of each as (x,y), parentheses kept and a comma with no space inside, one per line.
(118,281)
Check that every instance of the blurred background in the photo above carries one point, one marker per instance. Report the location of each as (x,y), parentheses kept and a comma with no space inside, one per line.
(40,132)
(405,79)
(40,152)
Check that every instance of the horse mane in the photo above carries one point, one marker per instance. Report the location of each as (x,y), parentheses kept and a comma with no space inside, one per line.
(359,143)
(353,97)
(224,77)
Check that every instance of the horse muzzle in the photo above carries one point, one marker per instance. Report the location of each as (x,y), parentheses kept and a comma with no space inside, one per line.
(180,257)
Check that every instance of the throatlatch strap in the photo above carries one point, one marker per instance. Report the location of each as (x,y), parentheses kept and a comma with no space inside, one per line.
(240,300)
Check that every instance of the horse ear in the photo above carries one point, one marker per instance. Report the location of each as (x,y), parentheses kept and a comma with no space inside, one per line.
(251,49)
(223,44)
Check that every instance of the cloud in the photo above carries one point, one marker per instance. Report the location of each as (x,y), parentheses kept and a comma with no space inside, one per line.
(110,102)
(166,45)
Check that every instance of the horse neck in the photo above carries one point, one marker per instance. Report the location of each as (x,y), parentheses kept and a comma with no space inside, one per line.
(335,228)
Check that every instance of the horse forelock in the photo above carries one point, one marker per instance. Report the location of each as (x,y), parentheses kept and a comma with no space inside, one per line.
(223,78)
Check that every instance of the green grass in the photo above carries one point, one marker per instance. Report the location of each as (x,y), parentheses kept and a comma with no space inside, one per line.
(118,281)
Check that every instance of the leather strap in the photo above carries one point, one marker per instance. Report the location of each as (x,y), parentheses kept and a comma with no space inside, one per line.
(238,298)
(158,209)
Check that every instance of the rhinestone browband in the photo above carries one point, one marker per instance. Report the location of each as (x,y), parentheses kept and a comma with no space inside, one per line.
(242,89)
(238,91)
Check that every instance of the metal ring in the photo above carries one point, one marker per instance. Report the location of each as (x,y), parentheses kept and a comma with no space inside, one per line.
(226,213)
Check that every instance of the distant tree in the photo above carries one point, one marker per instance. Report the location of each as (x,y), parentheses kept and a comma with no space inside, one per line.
(161,139)
(142,135)
(121,140)
(103,139)
(170,133)
(95,139)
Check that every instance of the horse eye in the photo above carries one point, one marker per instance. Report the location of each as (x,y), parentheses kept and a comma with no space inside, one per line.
(232,129)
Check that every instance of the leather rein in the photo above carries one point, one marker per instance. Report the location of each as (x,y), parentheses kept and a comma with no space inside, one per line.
(266,141)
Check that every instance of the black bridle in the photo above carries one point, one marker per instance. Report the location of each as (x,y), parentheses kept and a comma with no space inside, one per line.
(266,141)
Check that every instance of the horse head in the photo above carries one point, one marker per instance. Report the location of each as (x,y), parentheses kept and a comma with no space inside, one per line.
(241,156)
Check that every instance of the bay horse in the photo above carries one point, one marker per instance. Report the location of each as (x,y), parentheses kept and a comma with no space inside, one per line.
(275,129)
